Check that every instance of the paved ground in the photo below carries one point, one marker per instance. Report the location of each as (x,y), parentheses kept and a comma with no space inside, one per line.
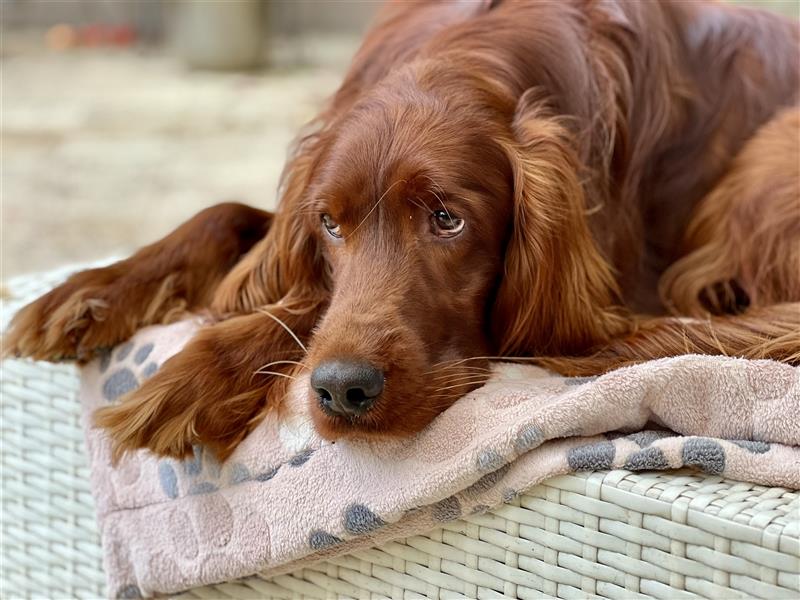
(105,151)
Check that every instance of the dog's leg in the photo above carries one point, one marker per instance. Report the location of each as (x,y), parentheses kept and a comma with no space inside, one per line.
(736,291)
(771,332)
(216,389)
(101,307)
(220,384)
(742,247)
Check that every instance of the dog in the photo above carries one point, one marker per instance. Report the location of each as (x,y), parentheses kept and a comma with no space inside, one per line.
(586,183)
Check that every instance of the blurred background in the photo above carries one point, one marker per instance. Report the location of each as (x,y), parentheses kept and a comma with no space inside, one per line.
(122,118)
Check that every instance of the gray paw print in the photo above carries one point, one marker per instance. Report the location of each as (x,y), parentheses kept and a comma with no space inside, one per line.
(124,363)
(202,473)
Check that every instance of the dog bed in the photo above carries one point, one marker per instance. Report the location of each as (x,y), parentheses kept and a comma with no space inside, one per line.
(560,538)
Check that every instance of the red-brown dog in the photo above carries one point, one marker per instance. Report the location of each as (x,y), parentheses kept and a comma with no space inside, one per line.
(595,181)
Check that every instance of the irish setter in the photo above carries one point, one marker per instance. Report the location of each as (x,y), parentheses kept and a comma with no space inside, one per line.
(586,182)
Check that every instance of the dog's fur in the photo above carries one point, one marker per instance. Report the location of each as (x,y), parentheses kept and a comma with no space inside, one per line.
(627,173)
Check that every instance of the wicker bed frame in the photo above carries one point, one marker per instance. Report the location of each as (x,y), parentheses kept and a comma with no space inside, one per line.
(612,534)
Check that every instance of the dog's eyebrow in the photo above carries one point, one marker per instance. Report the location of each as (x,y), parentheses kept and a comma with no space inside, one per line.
(438,192)
(315,201)
(431,186)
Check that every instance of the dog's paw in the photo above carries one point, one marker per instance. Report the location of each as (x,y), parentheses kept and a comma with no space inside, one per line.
(66,323)
(209,394)
(92,310)
(175,410)
(145,419)
(158,414)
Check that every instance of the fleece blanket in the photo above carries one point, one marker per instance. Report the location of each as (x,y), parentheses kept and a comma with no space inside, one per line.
(285,497)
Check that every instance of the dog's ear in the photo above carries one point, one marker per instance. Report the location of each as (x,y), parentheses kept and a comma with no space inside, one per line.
(221,384)
(557,291)
(287,265)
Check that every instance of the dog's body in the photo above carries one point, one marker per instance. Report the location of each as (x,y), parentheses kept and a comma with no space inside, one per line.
(493,178)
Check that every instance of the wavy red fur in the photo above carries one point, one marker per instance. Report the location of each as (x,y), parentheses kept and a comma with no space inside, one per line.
(618,166)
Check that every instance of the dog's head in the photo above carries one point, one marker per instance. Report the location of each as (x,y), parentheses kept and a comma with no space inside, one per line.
(449,225)
(411,204)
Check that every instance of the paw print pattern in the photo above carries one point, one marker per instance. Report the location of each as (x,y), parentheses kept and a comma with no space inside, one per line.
(704,454)
(489,460)
(486,483)
(575,381)
(319,540)
(142,353)
(360,520)
(204,474)
(529,437)
(646,438)
(200,474)
(168,479)
(647,459)
(119,383)
(753,446)
(448,509)
(298,460)
(128,591)
(125,369)
(591,457)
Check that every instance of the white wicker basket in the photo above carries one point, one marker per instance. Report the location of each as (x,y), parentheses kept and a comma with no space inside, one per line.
(50,544)
(611,534)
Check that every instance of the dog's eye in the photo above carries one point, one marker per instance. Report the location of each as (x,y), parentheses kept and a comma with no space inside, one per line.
(445,224)
(331,226)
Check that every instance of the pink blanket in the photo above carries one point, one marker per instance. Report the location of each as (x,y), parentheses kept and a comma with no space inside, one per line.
(285,497)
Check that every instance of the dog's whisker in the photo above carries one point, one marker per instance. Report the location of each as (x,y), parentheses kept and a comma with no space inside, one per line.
(482,381)
(450,380)
(280,322)
(455,372)
(464,368)
(461,375)
(499,358)
(456,376)
(452,376)
(447,212)
(464,380)
(460,389)
(284,362)
(451,364)
(419,203)
(444,367)
(263,372)
(445,397)
(455,361)
(376,205)
(438,193)
(455,385)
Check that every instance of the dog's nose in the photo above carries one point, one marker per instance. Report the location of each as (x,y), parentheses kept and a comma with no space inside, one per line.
(347,387)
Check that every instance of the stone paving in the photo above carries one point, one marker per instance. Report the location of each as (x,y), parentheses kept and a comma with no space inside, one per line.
(104,151)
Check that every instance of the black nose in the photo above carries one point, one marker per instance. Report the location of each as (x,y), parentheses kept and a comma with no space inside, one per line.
(347,387)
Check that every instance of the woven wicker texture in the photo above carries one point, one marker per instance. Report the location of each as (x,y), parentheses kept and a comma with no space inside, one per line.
(51,546)
(611,534)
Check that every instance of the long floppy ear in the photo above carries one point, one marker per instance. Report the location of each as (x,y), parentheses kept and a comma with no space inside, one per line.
(557,293)
(286,266)
(215,390)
